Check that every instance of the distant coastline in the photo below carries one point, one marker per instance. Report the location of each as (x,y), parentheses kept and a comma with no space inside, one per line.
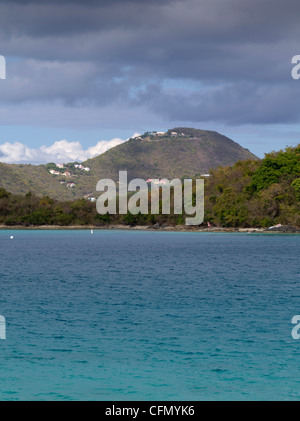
(179,228)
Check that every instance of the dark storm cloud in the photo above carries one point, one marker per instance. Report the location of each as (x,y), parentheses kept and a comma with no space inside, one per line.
(232,104)
(229,59)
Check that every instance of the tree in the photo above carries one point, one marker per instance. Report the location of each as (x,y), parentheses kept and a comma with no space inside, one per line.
(296,185)
(277,166)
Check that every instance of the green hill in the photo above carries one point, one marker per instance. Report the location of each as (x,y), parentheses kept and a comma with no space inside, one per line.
(179,152)
(157,156)
(19,179)
(250,193)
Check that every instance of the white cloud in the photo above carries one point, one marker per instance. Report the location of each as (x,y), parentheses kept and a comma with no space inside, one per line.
(61,151)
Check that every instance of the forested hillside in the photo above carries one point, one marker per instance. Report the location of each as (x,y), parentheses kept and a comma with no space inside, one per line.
(250,193)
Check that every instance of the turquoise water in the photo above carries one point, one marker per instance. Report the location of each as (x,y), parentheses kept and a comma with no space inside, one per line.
(126,315)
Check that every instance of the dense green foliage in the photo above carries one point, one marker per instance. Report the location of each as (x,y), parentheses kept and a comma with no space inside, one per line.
(276,167)
(249,193)
(30,210)
(296,185)
(252,193)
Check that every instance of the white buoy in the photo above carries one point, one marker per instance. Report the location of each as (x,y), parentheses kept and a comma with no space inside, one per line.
(92,231)
(11,237)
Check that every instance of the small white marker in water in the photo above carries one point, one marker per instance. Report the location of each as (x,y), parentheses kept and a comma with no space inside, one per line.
(2,328)
(92,231)
(11,237)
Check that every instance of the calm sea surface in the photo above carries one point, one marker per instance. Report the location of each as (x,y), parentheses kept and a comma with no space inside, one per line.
(126,315)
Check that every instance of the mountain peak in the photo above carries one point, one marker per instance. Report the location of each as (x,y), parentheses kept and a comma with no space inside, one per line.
(179,152)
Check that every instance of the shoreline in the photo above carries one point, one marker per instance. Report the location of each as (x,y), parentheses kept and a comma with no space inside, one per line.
(178,228)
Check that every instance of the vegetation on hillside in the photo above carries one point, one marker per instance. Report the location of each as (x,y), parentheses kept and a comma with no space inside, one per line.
(252,193)
(192,152)
(151,155)
(249,193)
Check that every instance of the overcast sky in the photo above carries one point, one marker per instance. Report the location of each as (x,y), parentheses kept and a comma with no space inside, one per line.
(81,72)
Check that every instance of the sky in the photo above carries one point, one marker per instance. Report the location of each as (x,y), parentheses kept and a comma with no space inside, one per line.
(83,76)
